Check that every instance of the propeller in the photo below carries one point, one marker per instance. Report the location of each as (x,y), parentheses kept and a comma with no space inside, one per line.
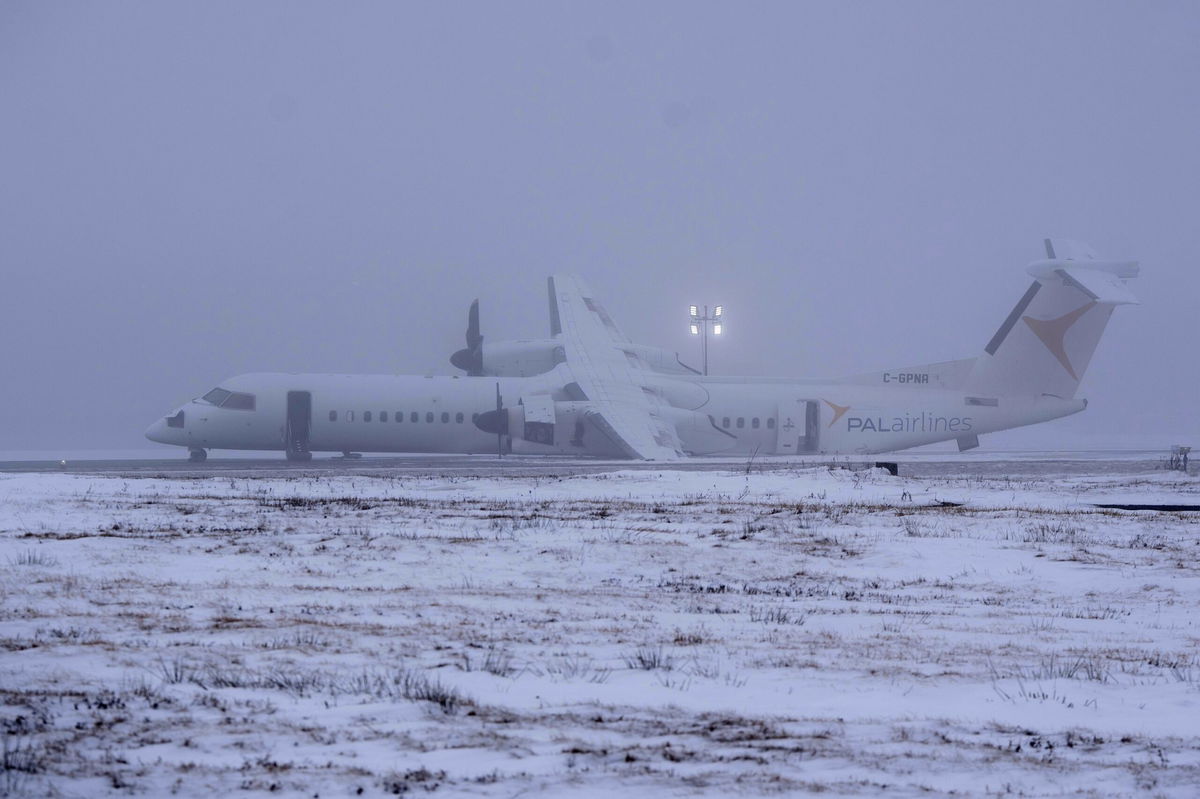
(495,422)
(501,428)
(470,360)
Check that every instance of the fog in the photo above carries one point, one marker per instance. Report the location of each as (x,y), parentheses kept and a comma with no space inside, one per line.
(191,191)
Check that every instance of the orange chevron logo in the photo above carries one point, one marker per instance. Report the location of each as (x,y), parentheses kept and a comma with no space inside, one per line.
(1053,333)
(838,412)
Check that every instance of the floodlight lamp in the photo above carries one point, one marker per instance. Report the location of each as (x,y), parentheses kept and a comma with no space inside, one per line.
(717,329)
(720,308)
(695,330)
(694,310)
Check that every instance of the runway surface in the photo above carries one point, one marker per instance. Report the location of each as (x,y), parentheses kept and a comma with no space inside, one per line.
(989,464)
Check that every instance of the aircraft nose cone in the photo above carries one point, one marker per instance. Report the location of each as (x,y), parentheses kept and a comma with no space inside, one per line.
(158,432)
(168,429)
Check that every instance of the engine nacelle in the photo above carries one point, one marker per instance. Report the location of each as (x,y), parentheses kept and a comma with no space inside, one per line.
(521,358)
(529,357)
(541,425)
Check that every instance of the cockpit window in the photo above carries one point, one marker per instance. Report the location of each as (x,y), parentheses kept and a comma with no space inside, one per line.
(239,401)
(235,400)
(216,396)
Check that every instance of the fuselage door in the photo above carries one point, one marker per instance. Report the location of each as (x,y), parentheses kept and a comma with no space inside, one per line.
(298,426)
(796,428)
(812,430)
(789,425)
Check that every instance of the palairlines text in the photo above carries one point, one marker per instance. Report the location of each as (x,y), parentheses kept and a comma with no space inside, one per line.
(921,423)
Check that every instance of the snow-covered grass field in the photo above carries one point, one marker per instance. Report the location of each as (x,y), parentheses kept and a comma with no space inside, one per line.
(629,633)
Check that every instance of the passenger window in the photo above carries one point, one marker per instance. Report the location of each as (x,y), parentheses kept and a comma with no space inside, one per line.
(366,416)
(445,417)
(429,416)
(414,416)
(399,417)
(383,416)
(458,418)
(349,416)
(754,422)
(770,422)
(725,422)
(333,416)
(741,422)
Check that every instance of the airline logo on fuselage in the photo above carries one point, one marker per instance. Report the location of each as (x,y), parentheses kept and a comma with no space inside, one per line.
(838,412)
(923,422)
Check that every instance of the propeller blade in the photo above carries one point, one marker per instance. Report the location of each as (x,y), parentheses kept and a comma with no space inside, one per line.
(470,360)
(474,337)
(495,422)
(500,428)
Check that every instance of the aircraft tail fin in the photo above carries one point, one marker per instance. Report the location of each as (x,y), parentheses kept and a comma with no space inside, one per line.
(1047,341)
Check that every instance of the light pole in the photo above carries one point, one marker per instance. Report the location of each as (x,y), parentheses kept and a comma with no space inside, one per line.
(699,327)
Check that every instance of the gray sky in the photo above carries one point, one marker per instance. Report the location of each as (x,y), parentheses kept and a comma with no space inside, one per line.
(190,191)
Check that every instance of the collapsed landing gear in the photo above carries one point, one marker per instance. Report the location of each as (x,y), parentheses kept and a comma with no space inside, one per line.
(197,455)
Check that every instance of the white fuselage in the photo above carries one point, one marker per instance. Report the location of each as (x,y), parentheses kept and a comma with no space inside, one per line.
(386,413)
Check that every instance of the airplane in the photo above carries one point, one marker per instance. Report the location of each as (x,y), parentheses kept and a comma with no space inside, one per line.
(588,391)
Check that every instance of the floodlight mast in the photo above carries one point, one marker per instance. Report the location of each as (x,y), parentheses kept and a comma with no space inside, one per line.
(699,327)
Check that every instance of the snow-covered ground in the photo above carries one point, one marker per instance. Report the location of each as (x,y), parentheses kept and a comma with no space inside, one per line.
(627,633)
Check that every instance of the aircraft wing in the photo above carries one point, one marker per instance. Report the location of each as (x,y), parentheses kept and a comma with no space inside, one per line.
(625,408)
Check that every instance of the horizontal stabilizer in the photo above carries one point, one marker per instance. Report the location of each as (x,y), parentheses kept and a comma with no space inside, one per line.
(1070,249)
(1101,281)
